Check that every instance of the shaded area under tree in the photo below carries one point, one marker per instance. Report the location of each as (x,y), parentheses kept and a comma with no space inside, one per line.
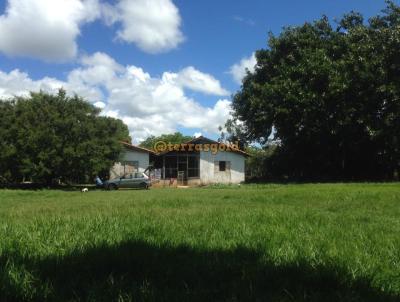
(139,271)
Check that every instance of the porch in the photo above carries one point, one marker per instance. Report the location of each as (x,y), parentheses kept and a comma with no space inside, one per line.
(177,168)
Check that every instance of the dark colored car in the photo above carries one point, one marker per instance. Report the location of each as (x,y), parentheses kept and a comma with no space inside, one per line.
(135,180)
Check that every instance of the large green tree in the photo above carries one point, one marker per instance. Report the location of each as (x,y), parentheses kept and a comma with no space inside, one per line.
(46,137)
(173,138)
(330,96)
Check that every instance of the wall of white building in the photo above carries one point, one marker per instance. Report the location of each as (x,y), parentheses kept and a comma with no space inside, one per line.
(130,156)
(209,169)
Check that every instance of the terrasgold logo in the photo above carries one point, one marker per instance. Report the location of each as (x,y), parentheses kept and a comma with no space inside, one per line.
(162,146)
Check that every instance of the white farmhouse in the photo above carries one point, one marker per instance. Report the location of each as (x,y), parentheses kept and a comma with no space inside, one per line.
(200,161)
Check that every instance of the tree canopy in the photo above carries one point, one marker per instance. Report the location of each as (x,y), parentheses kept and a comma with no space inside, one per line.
(329,94)
(174,138)
(46,137)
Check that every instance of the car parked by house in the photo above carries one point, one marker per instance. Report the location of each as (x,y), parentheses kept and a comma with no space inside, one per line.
(137,180)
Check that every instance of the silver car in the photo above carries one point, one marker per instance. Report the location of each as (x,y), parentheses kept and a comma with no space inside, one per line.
(133,180)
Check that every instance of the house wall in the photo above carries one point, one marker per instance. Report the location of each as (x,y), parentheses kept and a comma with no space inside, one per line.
(173,183)
(209,174)
(129,155)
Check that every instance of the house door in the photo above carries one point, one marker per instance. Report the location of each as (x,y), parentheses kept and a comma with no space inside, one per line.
(182,180)
(182,170)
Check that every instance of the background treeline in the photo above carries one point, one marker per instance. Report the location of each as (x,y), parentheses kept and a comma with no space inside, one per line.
(324,101)
(173,138)
(48,138)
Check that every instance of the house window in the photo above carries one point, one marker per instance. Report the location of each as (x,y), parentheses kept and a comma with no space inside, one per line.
(194,165)
(222,166)
(171,169)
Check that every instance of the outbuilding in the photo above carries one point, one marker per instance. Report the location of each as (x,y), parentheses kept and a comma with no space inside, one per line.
(133,159)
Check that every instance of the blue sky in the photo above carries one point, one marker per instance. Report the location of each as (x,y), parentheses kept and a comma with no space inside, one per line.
(159,65)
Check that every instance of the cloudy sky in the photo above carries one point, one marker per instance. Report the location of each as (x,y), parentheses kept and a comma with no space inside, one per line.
(159,65)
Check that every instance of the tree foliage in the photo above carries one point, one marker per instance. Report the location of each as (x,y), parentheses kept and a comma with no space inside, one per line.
(46,137)
(330,96)
(257,162)
(174,138)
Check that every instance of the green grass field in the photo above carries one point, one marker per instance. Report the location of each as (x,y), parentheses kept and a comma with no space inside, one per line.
(327,242)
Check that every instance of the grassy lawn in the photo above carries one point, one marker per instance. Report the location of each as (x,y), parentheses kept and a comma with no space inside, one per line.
(327,242)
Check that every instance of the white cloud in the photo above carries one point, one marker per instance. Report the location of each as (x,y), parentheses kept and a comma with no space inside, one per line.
(45,29)
(148,105)
(48,29)
(246,21)
(100,105)
(100,59)
(196,80)
(18,83)
(238,70)
(153,25)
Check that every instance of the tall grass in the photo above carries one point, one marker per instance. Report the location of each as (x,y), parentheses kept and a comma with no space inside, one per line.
(338,242)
